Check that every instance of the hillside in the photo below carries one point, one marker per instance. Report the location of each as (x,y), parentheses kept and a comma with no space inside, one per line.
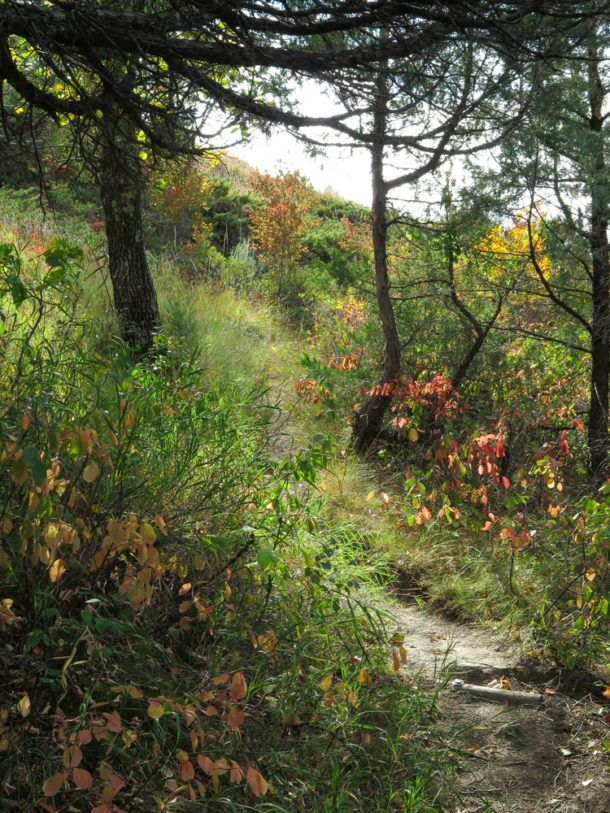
(199,575)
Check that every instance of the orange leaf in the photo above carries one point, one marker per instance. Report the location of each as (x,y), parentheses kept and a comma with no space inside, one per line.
(82,778)
(506,482)
(236,772)
(236,718)
(238,687)
(72,756)
(258,785)
(606,692)
(206,764)
(53,784)
(221,679)
(187,771)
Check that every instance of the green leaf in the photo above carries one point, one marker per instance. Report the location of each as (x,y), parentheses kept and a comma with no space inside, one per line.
(29,455)
(266,557)
(19,292)
(39,472)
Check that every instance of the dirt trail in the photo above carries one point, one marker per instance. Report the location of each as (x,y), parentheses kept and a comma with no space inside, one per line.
(545,759)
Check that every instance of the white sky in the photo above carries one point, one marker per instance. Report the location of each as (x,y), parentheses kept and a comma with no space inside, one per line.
(345,173)
(348,175)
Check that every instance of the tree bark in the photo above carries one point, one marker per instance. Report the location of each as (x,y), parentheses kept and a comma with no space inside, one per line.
(135,299)
(368,420)
(600,320)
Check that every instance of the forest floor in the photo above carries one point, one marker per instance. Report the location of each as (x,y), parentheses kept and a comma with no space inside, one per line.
(546,758)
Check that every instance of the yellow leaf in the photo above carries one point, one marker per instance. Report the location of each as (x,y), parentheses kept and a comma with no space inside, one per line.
(369,496)
(155,710)
(147,533)
(57,569)
(24,706)
(91,471)
(326,682)
(413,434)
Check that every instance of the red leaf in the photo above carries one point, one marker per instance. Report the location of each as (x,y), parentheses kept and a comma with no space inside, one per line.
(82,778)
(116,782)
(114,722)
(506,482)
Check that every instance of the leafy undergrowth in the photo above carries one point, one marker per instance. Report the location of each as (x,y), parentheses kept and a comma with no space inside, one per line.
(521,556)
(179,630)
(485,505)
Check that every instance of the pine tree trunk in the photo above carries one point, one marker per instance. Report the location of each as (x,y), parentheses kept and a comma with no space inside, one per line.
(600,320)
(368,420)
(135,299)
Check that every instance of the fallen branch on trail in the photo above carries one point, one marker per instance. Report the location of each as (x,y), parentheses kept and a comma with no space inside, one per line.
(498,695)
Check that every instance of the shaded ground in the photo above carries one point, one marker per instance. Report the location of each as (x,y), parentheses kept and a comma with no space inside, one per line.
(545,759)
